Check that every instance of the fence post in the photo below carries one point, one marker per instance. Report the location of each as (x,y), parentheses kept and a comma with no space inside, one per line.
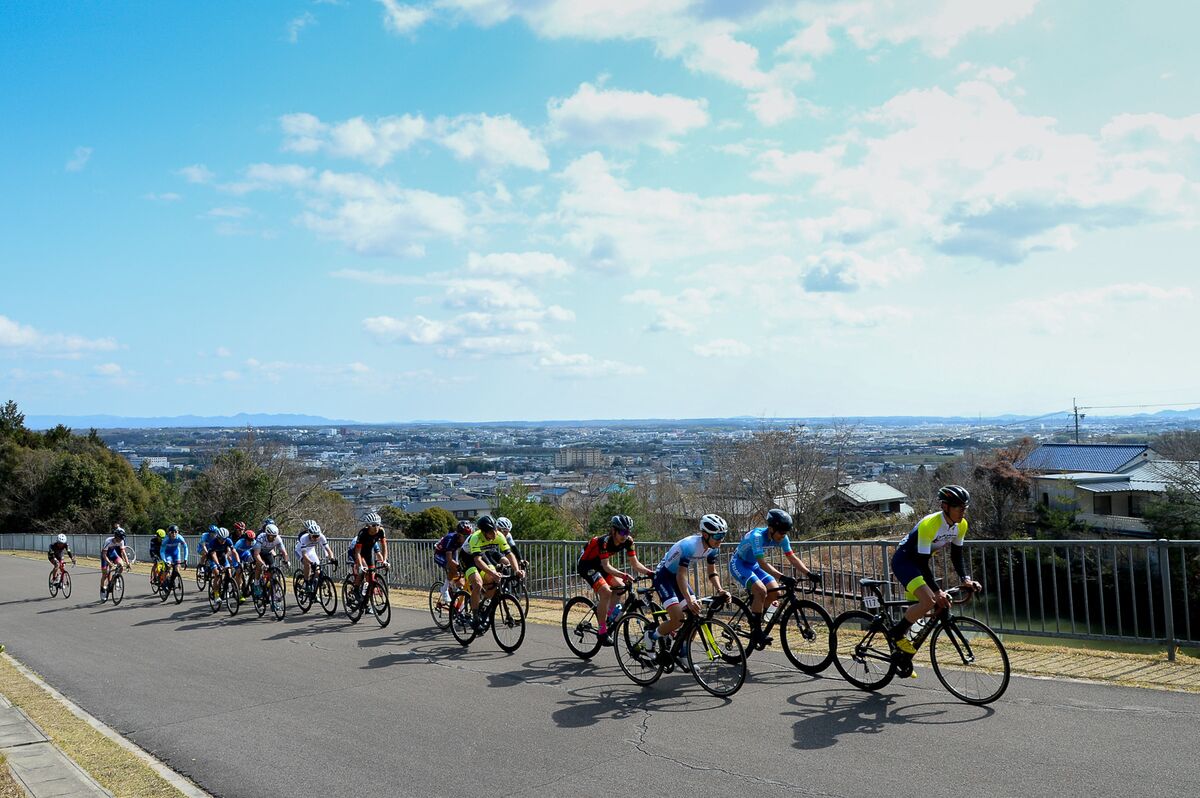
(563,574)
(1164,570)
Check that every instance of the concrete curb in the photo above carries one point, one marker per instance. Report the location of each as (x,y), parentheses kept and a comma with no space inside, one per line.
(171,777)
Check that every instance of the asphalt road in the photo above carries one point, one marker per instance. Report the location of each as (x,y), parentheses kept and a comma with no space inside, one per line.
(254,707)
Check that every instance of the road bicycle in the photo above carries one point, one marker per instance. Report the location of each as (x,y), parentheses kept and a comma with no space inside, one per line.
(204,570)
(501,611)
(438,609)
(804,626)
(706,645)
(223,590)
(968,657)
(581,628)
(269,592)
(319,588)
(115,588)
(372,595)
(60,579)
(171,584)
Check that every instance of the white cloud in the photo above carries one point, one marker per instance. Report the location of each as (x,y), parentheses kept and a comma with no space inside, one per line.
(23,338)
(680,313)
(812,42)
(380,277)
(777,166)
(79,160)
(493,141)
(400,18)
(489,295)
(108,370)
(222,352)
(518,265)
(229,212)
(298,24)
(230,375)
(196,173)
(1089,308)
(937,25)
(722,348)
(168,196)
(842,270)
(585,366)
(614,118)
(374,142)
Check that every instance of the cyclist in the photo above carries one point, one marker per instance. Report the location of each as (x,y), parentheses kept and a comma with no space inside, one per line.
(506,526)
(221,553)
(307,547)
(371,538)
(595,567)
(479,553)
(113,551)
(445,555)
(204,547)
(155,547)
(750,569)
(55,554)
(174,550)
(267,543)
(243,559)
(239,529)
(910,564)
(670,578)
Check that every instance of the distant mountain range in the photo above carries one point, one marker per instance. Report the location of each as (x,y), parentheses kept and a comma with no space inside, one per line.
(301,420)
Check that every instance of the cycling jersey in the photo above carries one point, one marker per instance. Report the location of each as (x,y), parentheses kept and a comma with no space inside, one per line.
(221,546)
(267,547)
(206,542)
(684,551)
(57,550)
(602,547)
(367,539)
(310,547)
(111,551)
(155,546)
(244,549)
(174,550)
(448,546)
(910,564)
(754,545)
(478,545)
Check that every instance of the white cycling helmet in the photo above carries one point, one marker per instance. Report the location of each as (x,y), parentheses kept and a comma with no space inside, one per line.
(372,518)
(223,532)
(60,539)
(714,526)
(312,527)
(270,529)
(504,525)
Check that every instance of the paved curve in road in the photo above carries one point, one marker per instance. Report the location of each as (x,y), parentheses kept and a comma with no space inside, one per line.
(250,707)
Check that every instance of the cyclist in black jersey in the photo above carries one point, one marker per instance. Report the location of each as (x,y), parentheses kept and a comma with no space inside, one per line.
(363,546)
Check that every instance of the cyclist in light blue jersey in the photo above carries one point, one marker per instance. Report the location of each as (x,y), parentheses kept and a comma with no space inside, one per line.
(749,565)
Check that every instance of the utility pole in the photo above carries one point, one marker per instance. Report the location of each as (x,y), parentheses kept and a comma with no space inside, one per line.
(1078,415)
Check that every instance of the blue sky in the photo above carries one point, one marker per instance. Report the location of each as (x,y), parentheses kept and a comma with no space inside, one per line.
(507,209)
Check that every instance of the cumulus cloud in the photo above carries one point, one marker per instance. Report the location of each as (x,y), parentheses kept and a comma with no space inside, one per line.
(22,338)
(843,270)
(722,348)
(374,142)
(196,173)
(298,24)
(493,141)
(79,160)
(400,18)
(518,265)
(580,365)
(610,117)
(108,370)
(1081,309)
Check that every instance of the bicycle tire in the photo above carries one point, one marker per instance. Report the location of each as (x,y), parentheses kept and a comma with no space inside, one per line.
(259,599)
(862,654)
(641,666)
(233,593)
(579,627)
(300,592)
(327,595)
(971,655)
(521,593)
(722,668)
(177,588)
(806,636)
(214,594)
(460,618)
(201,576)
(164,590)
(52,584)
(438,611)
(117,588)
(380,604)
(65,587)
(507,622)
(353,606)
(277,594)
(736,614)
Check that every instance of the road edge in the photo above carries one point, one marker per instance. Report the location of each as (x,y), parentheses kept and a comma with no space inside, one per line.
(176,780)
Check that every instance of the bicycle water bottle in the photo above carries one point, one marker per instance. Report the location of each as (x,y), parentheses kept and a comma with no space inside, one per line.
(614,612)
(917,627)
(770,613)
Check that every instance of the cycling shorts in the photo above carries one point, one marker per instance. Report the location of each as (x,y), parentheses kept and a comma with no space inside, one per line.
(439,558)
(748,574)
(594,575)
(907,574)
(667,588)
(311,555)
(175,558)
(268,558)
(55,558)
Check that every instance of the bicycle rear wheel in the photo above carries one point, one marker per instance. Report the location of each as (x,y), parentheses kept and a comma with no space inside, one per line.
(969,660)
(579,627)
(637,662)
(862,650)
(439,611)
(736,613)
(201,576)
(805,633)
(118,589)
(508,622)
(381,605)
(461,625)
(716,657)
(65,587)
(327,595)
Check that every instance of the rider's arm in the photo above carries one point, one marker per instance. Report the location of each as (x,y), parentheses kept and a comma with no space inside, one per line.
(714,577)
(956,559)
(797,563)
(637,566)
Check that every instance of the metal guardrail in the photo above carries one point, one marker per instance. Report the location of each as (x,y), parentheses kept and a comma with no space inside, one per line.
(1132,591)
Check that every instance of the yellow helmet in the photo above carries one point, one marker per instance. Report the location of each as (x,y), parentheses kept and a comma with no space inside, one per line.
(162,533)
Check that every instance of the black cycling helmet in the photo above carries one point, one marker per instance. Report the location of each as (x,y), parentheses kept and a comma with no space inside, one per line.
(954,495)
(173,528)
(464,528)
(779,520)
(486,523)
(622,523)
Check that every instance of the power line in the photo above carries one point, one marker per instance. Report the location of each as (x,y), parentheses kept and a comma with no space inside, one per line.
(1133,407)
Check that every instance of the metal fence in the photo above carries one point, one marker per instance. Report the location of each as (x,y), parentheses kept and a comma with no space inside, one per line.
(1133,591)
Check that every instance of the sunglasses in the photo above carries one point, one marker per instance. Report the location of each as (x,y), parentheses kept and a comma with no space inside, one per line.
(717,535)
(622,532)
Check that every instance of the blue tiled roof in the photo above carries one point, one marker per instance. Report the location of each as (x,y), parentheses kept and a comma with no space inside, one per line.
(1105,458)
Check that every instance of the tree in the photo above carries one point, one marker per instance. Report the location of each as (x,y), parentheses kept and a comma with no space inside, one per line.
(533,520)
(395,520)
(617,503)
(431,524)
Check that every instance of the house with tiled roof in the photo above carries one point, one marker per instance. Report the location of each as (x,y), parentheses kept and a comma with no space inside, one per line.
(1101,458)
(878,497)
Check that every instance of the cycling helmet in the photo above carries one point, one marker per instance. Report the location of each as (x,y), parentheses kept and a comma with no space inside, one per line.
(249,535)
(162,533)
(173,528)
(61,539)
(310,526)
(223,532)
(213,529)
(239,527)
(714,526)
(270,529)
(464,528)
(268,521)
(954,495)
(779,520)
(118,532)
(485,523)
(373,518)
(621,523)
(504,525)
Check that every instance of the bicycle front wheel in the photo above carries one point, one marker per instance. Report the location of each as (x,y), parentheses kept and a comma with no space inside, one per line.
(508,622)
(637,661)
(53,585)
(579,627)
(233,596)
(259,595)
(65,587)
(862,651)
(969,660)
(806,636)
(300,592)
(461,622)
(716,657)
(214,594)
(381,606)
(277,595)
(177,588)
(327,595)
(118,589)
(201,576)
(438,610)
